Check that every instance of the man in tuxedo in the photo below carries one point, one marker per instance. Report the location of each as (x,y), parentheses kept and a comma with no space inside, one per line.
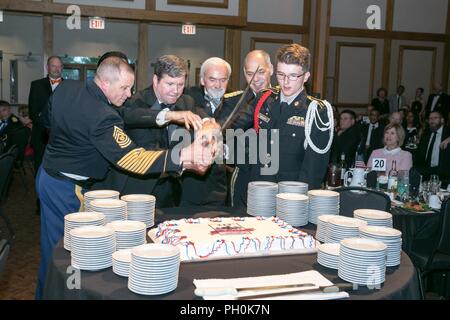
(11,129)
(439,101)
(398,100)
(372,134)
(40,92)
(151,116)
(430,158)
(211,188)
(347,139)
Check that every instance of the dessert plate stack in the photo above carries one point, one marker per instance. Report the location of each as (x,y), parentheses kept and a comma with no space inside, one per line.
(390,237)
(141,207)
(322,227)
(293,208)
(261,198)
(328,255)
(98,194)
(322,202)
(374,217)
(154,269)
(113,209)
(340,228)
(121,262)
(92,247)
(362,261)
(129,234)
(292,187)
(78,220)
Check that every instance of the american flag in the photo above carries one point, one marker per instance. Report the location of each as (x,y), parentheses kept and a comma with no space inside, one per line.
(359,161)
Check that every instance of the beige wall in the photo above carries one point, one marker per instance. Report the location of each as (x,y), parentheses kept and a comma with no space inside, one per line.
(282,12)
(208,42)
(232,10)
(135,4)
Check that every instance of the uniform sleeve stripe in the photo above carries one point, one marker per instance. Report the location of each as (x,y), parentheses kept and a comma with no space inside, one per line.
(138,160)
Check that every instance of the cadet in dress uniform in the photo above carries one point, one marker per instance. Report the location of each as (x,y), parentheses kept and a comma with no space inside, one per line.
(87,134)
(281,114)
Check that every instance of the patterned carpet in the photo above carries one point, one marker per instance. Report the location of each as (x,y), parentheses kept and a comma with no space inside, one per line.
(18,282)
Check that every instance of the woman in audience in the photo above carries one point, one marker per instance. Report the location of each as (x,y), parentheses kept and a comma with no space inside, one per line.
(394,136)
(412,128)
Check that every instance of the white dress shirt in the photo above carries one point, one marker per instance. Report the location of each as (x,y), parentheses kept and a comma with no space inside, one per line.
(436,148)
(435,100)
(372,126)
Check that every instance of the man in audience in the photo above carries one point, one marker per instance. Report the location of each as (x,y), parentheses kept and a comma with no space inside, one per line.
(396,118)
(211,188)
(10,128)
(372,134)
(347,139)
(398,100)
(430,158)
(438,101)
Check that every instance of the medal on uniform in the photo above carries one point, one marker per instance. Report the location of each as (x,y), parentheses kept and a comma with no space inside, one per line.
(263,117)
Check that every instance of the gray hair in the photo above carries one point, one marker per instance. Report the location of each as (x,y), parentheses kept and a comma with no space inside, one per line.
(214,61)
(111,68)
(170,65)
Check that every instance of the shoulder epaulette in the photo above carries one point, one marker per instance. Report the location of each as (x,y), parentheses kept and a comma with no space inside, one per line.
(275,90)
(319,102)
(232,94)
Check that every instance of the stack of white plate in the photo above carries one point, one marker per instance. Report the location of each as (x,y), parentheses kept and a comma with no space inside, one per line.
(121,262)
(293,208)
(261,198)
(374,217)
(129,234)
(322,202)
(340,228)
(98,194)
(141,207)
(390,237)
(328,255)
(322,227)
(113,209)
(154,269)
(92,247)
(80,219)
(292,187)
(362,261)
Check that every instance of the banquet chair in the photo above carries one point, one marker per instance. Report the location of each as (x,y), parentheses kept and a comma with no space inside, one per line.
(6,168)
(352,198)
(438,258)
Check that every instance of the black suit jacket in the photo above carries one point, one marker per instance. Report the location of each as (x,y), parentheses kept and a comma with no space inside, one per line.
(346,143)
(442,105)
(443,169)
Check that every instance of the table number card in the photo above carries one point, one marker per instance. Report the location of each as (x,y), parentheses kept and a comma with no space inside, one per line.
(379,164)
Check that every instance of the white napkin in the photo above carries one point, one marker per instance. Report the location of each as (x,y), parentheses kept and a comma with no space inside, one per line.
(284,279)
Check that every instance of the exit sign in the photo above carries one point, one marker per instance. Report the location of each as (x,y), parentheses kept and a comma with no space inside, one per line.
(189,29)
(97,23)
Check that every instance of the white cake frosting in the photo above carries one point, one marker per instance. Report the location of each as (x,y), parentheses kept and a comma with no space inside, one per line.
(218,238)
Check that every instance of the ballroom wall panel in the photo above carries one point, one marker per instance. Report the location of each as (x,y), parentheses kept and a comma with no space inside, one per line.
(132,4)
(420,16)
(269,11)
(232,10)
(353,14)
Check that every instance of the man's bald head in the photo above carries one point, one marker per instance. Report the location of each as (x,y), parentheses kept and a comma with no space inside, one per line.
(253,60)
(115,78)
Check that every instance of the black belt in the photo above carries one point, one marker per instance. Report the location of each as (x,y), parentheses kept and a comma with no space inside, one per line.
(85,184)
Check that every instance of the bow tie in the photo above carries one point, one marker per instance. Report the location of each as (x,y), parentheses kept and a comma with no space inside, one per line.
(55,81)
(169,106)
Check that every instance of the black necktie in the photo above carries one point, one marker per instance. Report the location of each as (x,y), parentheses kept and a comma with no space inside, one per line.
(430,150)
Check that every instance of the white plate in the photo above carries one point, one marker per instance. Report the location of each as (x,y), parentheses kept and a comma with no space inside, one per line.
(156,251)
(84,217)
(372,214)
(92,232)
(360,244)
(97,194)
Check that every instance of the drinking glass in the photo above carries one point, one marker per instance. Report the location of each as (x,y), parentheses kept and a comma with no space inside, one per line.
(435,184)
(403,185)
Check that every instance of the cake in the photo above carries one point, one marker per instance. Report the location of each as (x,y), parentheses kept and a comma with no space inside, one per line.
(220,238)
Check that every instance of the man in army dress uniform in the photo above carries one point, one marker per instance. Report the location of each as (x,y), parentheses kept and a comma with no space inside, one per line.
(86,136)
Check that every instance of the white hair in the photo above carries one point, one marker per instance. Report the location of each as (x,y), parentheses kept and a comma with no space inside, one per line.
(214,61)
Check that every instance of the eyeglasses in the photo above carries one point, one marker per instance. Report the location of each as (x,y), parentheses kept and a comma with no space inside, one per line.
(292,77)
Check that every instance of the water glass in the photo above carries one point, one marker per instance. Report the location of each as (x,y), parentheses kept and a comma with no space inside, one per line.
(403,185)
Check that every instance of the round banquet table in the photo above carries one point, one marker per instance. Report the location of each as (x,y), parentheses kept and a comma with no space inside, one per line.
(401,282)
